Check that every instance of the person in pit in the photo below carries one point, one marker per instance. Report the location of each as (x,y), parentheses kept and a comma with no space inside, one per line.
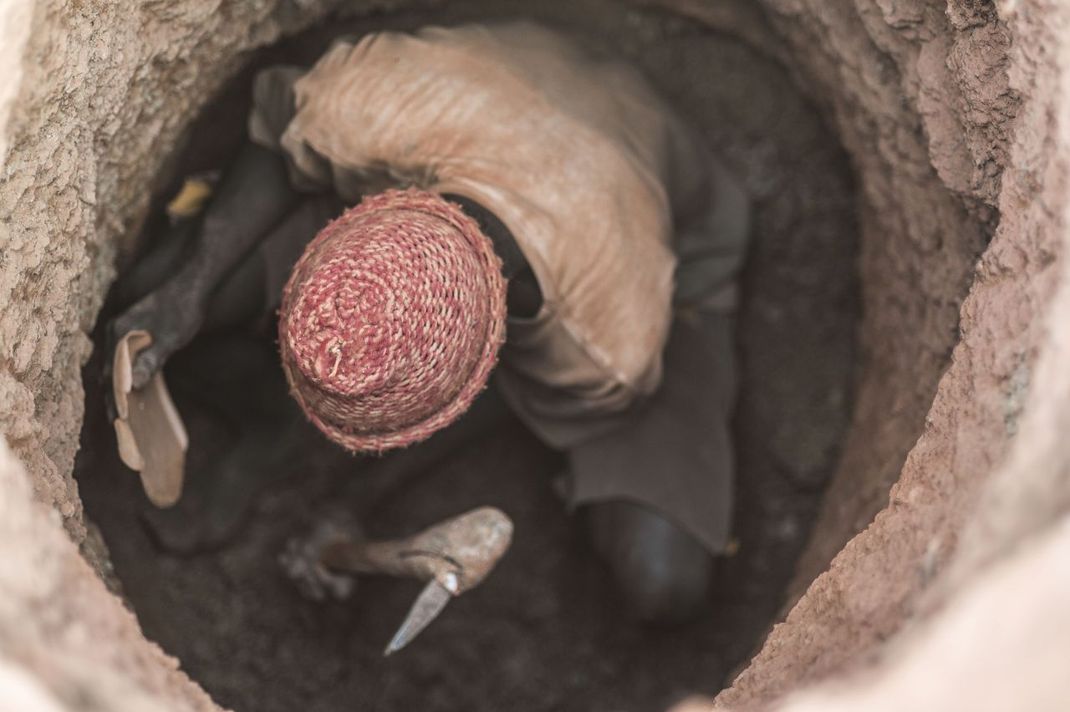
(520,206)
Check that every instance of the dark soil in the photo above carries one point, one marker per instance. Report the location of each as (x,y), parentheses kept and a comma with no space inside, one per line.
(545,632)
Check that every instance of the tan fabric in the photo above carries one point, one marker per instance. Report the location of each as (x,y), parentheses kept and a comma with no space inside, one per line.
(578,158)
(573,153)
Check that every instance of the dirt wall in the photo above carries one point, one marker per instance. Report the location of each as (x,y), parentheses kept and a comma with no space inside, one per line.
(103,86)
(64,638)
(921,95)
(955,119)
(91,90)
(984,86)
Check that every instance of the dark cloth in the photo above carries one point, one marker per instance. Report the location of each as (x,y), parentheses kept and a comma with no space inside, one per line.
(678,439)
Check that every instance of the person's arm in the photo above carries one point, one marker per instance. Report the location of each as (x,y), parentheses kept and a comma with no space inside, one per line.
(253,197)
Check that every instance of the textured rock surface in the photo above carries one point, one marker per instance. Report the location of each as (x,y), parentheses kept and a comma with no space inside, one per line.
(98,87)
(955,118)
(995,60)
(920,92)
(103,84)
(1015,661)
(58,621)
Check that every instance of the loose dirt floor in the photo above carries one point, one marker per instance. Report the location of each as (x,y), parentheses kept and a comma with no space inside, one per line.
(546,631)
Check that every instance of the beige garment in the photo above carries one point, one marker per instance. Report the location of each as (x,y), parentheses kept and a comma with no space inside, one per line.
(573,153)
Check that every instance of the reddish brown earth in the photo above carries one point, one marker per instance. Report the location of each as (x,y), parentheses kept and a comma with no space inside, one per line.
(545,631)
(953,117)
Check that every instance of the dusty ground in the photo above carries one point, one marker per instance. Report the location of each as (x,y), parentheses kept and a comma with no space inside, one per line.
(544,632)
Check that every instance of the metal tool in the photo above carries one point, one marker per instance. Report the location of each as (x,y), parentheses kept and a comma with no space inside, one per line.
(149,431)
(453,556)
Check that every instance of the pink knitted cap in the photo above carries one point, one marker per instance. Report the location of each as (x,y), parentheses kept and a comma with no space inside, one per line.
(391,320)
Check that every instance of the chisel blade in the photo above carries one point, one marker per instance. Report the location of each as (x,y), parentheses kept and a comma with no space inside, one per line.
(428,606)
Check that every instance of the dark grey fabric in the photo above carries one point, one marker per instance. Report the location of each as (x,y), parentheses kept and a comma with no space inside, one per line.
(674,453)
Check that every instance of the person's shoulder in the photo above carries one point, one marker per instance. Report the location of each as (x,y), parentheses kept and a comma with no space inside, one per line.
(500,36)
(430,43)
(396,46)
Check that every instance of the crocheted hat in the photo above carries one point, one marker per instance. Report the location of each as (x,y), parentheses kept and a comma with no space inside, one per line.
(391,320)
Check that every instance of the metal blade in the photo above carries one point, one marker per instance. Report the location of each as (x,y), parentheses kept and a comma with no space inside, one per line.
(428,605)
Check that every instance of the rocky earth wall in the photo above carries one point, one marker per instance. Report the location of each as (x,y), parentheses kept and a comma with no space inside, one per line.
(951,120)
(103,85)
(66,643)
(954,117)
(91,91)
